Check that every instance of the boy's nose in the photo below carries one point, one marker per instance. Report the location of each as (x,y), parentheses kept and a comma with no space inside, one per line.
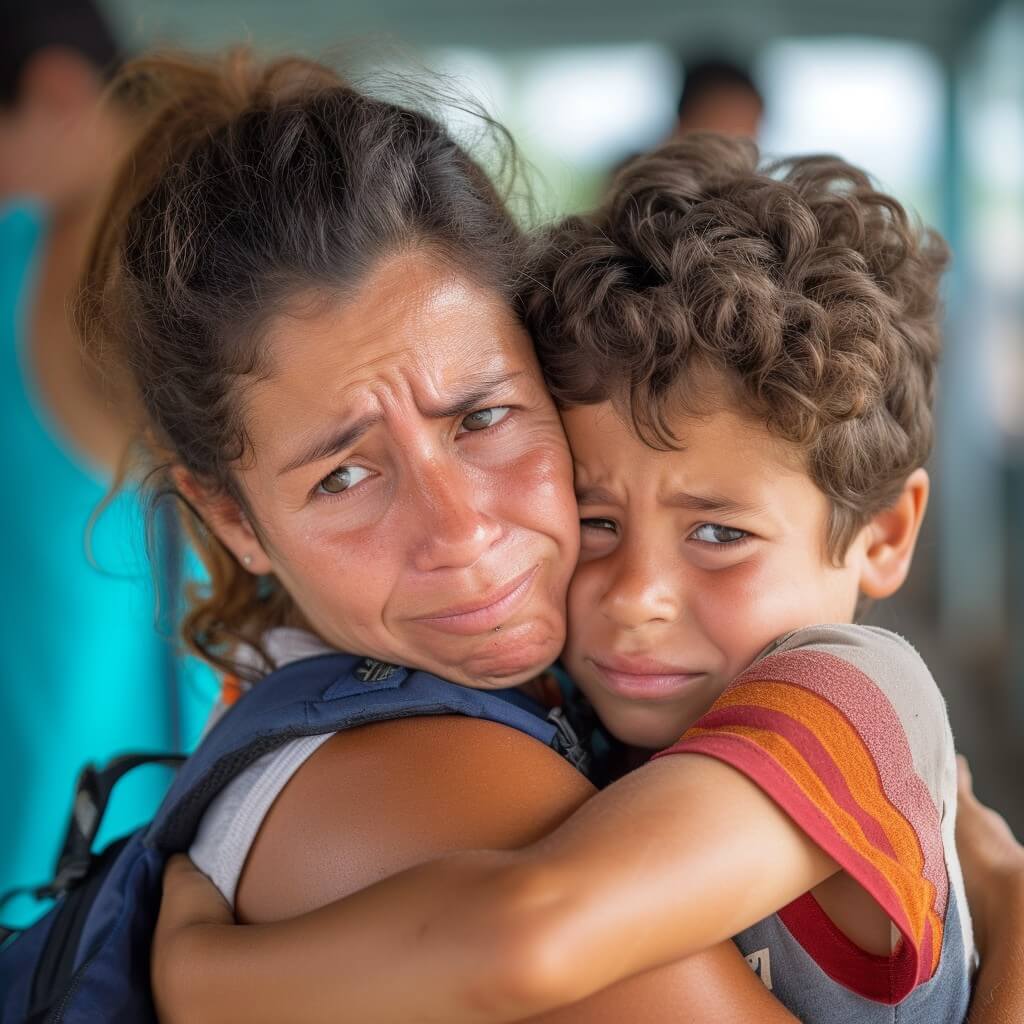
(641,594)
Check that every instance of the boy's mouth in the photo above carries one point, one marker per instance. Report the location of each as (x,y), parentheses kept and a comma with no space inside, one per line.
(639,678)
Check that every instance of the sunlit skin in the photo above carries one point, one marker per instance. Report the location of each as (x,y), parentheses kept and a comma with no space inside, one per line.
(414,499)
(691,563)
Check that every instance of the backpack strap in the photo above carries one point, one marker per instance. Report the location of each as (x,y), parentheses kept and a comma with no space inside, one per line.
(93,789)
(325,694)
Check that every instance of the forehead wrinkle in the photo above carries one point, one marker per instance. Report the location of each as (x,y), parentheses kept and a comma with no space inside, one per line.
(405,358)
(421,337)
(600,488)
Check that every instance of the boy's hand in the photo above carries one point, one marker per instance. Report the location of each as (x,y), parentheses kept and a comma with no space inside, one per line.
(991,857)
(190,900)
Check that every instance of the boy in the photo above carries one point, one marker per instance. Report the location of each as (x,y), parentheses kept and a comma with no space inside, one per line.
(746,365)
(747,370)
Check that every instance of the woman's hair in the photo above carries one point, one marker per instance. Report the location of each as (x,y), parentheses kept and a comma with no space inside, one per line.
(809,295)
(251,186)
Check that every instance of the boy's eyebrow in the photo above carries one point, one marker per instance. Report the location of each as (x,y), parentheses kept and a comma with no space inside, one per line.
(595,496)
(683,499)
(709,503)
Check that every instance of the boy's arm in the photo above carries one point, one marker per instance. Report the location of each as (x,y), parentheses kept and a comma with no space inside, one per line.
(212,970)
(669,861)
(427,786)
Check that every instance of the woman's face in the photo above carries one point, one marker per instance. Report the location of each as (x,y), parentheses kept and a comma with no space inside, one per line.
(410,484)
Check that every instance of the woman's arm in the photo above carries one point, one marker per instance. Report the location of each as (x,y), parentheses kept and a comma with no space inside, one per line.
(993,864)
(496,787)
(635,884)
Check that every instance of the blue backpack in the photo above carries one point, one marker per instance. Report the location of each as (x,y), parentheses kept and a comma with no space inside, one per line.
(87,959)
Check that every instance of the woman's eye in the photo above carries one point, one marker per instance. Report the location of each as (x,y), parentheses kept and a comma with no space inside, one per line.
(484,418)
(607,525)
(715,533)
(343,478)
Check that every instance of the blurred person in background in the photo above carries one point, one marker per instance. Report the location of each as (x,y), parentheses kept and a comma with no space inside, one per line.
(718,96)
(79,647)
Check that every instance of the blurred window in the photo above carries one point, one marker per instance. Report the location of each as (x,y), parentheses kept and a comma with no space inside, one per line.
(875,103)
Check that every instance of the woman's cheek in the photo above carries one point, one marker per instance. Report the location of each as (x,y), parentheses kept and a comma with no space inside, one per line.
(543,471)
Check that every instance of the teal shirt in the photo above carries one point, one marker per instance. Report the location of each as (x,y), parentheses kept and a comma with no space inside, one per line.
(84,671)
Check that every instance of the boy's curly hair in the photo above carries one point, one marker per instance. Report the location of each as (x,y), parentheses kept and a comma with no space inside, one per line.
(812,296)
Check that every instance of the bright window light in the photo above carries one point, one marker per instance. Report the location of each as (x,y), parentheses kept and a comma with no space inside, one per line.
(875,103)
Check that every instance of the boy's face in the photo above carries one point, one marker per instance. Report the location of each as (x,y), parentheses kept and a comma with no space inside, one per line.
(692,562)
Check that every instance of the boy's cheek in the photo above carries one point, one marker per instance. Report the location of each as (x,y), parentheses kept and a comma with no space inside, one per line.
(744,609)
(582,600)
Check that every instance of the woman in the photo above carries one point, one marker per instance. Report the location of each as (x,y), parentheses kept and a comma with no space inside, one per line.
(311,292)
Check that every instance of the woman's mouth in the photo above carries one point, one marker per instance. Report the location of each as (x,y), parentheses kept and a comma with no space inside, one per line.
(488,612)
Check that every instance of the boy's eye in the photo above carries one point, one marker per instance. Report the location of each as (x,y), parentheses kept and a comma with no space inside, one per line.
(484,418)
(715,533)
(343,478)
(607,525)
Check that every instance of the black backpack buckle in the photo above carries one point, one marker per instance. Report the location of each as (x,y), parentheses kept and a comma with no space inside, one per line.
(567,743)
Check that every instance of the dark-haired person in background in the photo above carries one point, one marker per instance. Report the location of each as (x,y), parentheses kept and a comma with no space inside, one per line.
(84,673)
(718,96)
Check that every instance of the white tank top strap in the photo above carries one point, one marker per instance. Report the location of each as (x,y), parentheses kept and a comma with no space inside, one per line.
(232,821)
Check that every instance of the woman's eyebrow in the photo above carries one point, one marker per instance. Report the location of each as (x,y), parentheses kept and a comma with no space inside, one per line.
(479,389)
(338,440)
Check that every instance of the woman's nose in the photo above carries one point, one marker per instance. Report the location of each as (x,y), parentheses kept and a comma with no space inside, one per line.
(452,529)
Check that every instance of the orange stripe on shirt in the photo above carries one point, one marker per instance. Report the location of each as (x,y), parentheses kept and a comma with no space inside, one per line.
(915,894)
(846,748)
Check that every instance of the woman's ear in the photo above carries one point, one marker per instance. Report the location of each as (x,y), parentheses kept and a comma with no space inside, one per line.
(891,537)
(225,518)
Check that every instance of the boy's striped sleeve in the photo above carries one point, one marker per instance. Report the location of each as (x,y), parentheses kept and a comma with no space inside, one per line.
(845,729)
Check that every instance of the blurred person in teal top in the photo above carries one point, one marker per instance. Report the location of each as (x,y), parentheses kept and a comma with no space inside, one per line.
(85,672)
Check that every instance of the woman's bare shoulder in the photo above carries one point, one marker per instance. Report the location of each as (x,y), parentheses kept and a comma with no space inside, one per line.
(381,798)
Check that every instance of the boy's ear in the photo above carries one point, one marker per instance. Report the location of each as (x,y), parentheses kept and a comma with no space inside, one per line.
(225,518)
(890,539)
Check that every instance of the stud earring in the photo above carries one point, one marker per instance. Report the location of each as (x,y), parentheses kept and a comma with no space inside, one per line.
(247,560)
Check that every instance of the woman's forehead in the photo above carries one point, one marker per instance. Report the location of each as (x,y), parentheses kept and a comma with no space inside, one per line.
(412,328)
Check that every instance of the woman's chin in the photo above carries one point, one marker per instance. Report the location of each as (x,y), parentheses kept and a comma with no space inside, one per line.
(509,656)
